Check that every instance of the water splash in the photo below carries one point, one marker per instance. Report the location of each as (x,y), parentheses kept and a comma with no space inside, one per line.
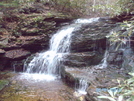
(37,77)
(83,21)
(82,86)
(49,62)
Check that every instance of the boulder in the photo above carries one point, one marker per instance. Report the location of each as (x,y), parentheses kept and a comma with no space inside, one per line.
(16,54)
(2,52)
(115,59)
(82,59)
(91,36)
(99,80)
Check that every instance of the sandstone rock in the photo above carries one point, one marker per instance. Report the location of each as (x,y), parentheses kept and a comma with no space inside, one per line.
(2,51)
(82,59)
(16,54)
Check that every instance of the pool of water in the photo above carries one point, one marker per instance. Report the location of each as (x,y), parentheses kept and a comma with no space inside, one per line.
(23,87)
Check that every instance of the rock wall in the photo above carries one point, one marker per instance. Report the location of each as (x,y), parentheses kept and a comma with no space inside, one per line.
(86,60)
(22,33)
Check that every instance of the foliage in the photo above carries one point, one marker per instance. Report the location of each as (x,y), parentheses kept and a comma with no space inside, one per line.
(127,91)
(84,7)
(126,5)
(3,83)
(127,87)
(8,3)
(122,37)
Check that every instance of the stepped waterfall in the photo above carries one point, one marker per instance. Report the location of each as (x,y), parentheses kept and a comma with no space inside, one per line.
(48,62)
(47,65)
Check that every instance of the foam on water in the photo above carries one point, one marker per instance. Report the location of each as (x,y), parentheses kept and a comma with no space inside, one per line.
(37,77)
(83,21)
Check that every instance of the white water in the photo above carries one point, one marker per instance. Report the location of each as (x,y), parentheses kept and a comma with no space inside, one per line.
(48,63)
(37,77)
(104,63)
(82,86)
(83,21)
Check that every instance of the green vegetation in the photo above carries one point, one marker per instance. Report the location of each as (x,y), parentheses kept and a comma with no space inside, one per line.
(3,83)
(126,88)
(118,37)
(8,3)
(126,92)
(87,7)
(80,7)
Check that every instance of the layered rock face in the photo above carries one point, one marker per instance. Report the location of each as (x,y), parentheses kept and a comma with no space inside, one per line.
(96,60)
(27,31)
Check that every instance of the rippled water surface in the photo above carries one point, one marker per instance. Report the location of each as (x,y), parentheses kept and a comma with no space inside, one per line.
(24,88)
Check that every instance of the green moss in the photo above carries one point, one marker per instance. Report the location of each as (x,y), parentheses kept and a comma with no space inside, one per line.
(2,46)
(9,3)
(3,83)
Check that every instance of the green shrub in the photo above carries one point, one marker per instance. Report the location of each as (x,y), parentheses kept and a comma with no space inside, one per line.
(86,7)
(126,93)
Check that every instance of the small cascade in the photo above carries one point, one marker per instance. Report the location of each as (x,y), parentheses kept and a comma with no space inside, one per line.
(115,52)
(48,62)
(81,87)
(14,66)
(104,63)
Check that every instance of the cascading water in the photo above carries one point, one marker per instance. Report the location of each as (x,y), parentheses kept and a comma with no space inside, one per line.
(82,86)
(121,45)
(49,62)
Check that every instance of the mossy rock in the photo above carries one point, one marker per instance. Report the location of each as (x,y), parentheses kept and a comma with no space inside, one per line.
(3,83)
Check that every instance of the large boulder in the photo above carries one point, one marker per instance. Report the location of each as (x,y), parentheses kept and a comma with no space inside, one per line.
(99,80)
(92,36)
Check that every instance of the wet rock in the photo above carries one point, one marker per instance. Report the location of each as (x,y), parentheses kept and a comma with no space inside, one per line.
(115,58)
(14,82)
(91,36)
(3,60)
(1,14)
(103,78)
(16,54)
(2,52)
(35,8)
(82,59)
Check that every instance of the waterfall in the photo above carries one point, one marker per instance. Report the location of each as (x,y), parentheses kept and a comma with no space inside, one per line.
(48,63)
(82,86)
(104,61)
(121,47)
